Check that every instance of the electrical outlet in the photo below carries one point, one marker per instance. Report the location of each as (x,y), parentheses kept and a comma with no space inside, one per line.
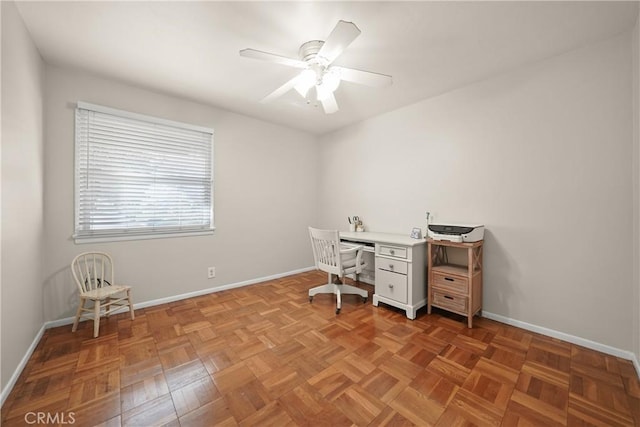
(211,272)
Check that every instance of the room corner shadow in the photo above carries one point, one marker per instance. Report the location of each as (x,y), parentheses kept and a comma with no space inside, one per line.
(59,295)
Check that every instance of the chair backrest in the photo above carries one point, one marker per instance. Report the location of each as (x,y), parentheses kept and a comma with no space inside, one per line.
(326,250)
(92,270)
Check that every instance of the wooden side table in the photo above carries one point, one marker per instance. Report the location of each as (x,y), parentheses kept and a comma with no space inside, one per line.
(452,287)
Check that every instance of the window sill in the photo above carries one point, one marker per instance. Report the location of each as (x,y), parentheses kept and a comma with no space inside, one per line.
(124,237)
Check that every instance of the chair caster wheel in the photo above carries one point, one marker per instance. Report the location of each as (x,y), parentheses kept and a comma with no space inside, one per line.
(337,311)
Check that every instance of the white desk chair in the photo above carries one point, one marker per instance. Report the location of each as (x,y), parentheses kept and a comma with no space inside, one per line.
(94,275)
(329,257)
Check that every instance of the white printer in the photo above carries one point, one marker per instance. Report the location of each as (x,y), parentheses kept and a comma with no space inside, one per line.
(456,232)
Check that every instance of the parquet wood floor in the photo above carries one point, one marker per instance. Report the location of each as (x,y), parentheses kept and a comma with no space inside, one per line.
(263,355)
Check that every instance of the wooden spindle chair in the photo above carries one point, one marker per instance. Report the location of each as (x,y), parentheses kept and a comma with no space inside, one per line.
(94,275)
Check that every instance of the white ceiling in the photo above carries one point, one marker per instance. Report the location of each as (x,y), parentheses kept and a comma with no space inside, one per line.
(190,49)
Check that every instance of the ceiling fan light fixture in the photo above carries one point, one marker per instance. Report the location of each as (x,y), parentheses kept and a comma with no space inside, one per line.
(306,80)
(316,59)
(328,85)
(331,79)
(323,92)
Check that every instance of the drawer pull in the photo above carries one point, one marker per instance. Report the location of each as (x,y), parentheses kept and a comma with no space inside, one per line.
(448,297)
(392,252)
(390,266)
(448,279)
(390,286)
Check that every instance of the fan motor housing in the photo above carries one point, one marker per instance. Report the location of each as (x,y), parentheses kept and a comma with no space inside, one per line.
(309,50)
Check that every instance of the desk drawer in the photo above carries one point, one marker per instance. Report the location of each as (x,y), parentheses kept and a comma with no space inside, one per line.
(449,301)
(451,282)
(392,265)
(393,251)
(391,285)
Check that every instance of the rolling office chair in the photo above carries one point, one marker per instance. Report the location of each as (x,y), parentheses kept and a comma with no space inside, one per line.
(329,257)
(93,273)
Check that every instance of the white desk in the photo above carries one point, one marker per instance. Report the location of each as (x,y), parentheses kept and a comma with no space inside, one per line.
(400,268)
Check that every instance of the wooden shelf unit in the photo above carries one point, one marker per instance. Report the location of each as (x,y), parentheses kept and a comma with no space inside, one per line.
(452,287)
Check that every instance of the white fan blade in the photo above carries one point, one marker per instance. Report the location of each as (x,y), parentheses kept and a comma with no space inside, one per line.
(342,35)
(363,77)
(281,90)
(329,104)
(265,56)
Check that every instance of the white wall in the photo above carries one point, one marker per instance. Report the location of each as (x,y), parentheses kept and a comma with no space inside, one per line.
(542,156)
(265,184)
(22,198)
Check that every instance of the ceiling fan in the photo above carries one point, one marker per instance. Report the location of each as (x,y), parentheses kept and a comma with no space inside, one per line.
(316,59)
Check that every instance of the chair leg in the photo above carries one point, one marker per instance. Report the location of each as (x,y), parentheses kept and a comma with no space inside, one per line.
(130,304)
(78,313)
(339,300)
(353,290)
(96,318)
(108,307)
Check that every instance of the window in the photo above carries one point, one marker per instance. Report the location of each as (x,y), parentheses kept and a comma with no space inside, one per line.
(140,177)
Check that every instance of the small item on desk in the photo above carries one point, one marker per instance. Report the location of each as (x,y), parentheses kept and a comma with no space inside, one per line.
(352,225)
(416,233)
(357,222)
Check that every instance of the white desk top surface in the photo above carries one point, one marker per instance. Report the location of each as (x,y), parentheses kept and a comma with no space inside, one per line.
(374,237)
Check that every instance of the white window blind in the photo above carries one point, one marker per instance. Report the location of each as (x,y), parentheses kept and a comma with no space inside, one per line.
(140,177)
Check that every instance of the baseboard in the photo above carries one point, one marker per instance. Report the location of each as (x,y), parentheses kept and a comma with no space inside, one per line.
(69,320)
(636,364)
(14,378)
(613,351)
